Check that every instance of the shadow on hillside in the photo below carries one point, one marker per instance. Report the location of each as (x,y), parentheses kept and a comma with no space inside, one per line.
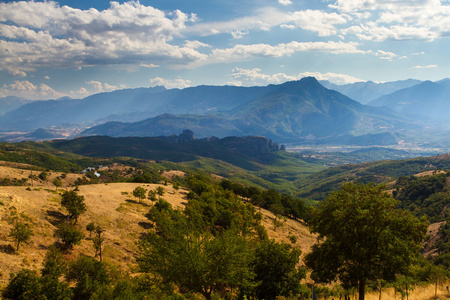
(55,217)
(146,225)
(137,202)
(8,249)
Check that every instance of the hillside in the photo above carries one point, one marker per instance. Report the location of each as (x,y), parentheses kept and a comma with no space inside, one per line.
(111,206)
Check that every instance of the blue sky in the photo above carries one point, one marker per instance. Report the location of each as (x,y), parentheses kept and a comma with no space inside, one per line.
(76,48)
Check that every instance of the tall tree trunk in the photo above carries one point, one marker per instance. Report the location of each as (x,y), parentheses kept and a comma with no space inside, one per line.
(361,288)
(379,298)
(435,289)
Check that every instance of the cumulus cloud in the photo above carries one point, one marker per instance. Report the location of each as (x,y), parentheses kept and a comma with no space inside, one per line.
(170,83)
(247,77)
(16,73)
(318,21)
(28,90)
(396,19)
(81,93)
(101,87)
(243,52)
(43,34)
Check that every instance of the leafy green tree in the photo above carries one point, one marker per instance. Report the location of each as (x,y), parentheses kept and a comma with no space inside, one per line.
(275,266)
(89,276)
(55,264)
(43,176)
(74,204)
(152,195)
(198,263)
(91,228)
(363,236)
(23,286)
(57,183)
(160,191)
(139,192)
(21,233)
(69,235)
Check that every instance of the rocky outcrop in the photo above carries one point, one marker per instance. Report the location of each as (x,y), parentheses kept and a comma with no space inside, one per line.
(256,146)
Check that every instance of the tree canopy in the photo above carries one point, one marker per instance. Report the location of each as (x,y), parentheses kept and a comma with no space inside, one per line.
(74,204)
(363,236)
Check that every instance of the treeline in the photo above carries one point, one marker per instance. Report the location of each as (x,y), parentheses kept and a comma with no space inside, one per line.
(429,196)
(277,203)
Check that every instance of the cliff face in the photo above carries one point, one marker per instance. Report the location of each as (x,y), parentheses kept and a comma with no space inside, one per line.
(255,146)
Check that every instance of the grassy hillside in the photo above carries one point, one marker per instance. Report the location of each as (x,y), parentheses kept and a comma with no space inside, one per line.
(111,205)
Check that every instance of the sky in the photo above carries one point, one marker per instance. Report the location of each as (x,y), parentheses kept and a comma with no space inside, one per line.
(75,48)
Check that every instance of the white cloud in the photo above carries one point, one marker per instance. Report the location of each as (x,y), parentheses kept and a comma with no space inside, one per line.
(396,19)
(285,2)
(318,21)
(424,67)
(196,44)
(81,93)
(28,90)
(100,87)
(287,26)
(47,77)
(244,52)
(148,65)
(16,73)
(386,55)
(170,83)
(43,34)
(246,77)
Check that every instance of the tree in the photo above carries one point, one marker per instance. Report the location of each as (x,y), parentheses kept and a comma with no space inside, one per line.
(89,274)
(43,176)
(74,204)
(21,233)
(363,236)
(139,192)
(199,263)
(69,235)
(57,183)
(24,285)
(91,228)
(160,191)
(152,195)
(275,268)
(98,242)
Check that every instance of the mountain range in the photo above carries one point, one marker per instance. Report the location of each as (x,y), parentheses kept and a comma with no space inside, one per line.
(288,112)
(297,111)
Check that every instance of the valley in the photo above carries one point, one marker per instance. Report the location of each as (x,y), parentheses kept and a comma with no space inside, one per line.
(249,169)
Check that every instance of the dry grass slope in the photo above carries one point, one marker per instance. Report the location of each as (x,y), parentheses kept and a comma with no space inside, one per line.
(111,205)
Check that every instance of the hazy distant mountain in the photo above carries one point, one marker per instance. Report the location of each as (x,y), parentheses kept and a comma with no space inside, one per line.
(11,103)
(167,124)
(429,100)
(287,112)
(364,92)
(129,105)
